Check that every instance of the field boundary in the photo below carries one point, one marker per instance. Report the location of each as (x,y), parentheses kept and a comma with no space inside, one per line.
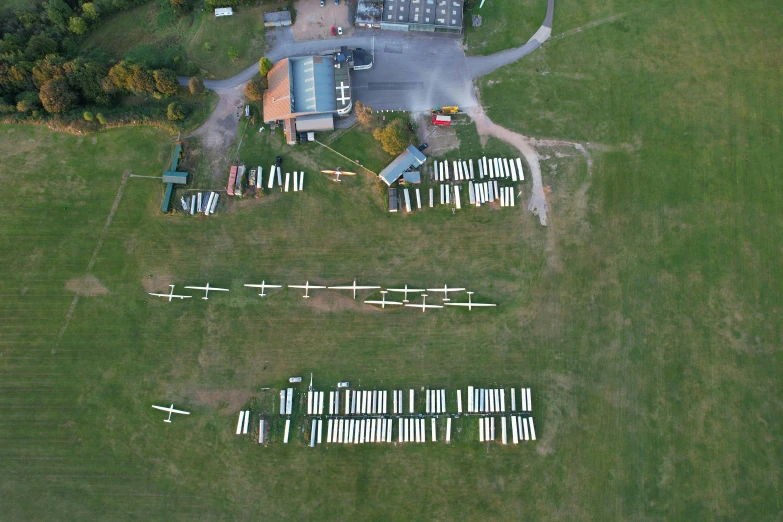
(125,177)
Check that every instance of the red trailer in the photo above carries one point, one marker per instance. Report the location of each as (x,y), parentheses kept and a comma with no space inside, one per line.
(439,119)
(232,178)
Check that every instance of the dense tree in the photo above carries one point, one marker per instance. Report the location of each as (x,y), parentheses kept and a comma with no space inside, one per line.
(14,78)
(47,69)
(196,85)
(77,25)
(166,81)
(253,91)
(57,96)
(39,46)
(264,66)
(118,77)
(394,137)
(175,112)
(86,78)
(141,81)
(27,101)
(89,11)
(58,12)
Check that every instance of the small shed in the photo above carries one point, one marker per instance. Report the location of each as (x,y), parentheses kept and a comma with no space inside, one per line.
(277,19)
(409,160)
(223,11)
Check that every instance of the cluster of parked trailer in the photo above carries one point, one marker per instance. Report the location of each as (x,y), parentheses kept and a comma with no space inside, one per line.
(495,183)
(201,202)
(255,180)
(362,416)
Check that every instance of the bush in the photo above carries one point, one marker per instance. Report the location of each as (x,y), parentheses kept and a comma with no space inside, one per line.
(233,54)
(166,81)
(196,85)
(77,25)
(364,114)
(27,101)
(253,91)
(57,96)
(264,66)
(207,46)
(394,138)
(175,112)
(101,118)
(88,116)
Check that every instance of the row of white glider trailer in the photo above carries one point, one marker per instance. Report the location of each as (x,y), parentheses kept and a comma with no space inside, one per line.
(297,180)
(478,192)
(201,202)
(358,426)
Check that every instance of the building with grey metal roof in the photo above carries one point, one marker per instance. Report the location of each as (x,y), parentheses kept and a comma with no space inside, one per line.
(313,84)
(411,158)
(411,15)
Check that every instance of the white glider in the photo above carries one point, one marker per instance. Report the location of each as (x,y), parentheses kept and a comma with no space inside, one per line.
(307,286)
(383,302)
(262,286)
(207,289)
(354,288)
(445,291)
(424,304)
(405,291)
(171,295)
(470,304)
(171,410)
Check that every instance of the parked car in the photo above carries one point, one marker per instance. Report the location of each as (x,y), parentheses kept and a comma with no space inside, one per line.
(322,3)
(423,146)
(340,31)
(295,379)
(334,31)
(278,161)
(343,384)
(336,2)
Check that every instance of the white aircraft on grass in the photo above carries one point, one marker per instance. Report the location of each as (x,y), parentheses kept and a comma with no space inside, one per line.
(406,290)
(171,295)
(307,286)
(445,291)
(171,410)
(207,289)
(354,288)
(424,304)
(383,302)
(264,285)
(338,172)
(470,304)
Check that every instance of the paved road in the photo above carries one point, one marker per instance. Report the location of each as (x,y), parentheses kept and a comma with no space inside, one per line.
(412,71)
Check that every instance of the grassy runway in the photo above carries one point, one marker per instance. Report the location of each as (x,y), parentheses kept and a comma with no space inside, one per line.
(646,317)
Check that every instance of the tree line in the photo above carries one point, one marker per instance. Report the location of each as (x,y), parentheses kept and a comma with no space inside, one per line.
(43,68)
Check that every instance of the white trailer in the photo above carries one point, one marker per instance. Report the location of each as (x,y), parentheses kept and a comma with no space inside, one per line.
(309,402)
(513,399)
(320,403)
(481,400)
(240,422)
(492,428)
(505,167)
(524,426)
(434,434)
(529,401)
(481,429)
(261,431)
(282,402)
(407,200)
(417,429)
(443,401)
(491,168)
(427,403)
(519,169)
(193,205)
(446,164)
(459,401)
(405,430)
(312,433)
(289,401)
(279,177)
(400,430)
(503,197)
(448,194)
(481,168)
(491,401)
(460,175)
(371,434)
(471,192)
(296,181)
(287,180)
(443,194)
(491,196)
(423,431)
(503,400)
(214,203)
(456,171)
(456,196)
(497,399)
(271,177)
(435,401)
(340,425)
(476,403)
(418,199)
(363,431)
(532,429)
(331,403)
(470,166)
(513,170)
(470,399)
(247,420)
(320,429)
(448,422)
(497,192)
(389,430)
(514,433)
(411,397)
(511,195)
(347,402)
(287,429)
(432,201)
(394,396)
(503,437)
(384,402)
(329,431)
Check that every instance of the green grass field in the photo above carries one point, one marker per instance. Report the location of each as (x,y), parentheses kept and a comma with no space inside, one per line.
(197,37)
(505,24)
(646,317)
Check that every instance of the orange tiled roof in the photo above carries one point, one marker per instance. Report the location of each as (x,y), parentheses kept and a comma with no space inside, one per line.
(277,98)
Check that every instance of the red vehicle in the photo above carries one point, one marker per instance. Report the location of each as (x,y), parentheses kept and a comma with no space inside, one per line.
(439,119)
(334,31)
